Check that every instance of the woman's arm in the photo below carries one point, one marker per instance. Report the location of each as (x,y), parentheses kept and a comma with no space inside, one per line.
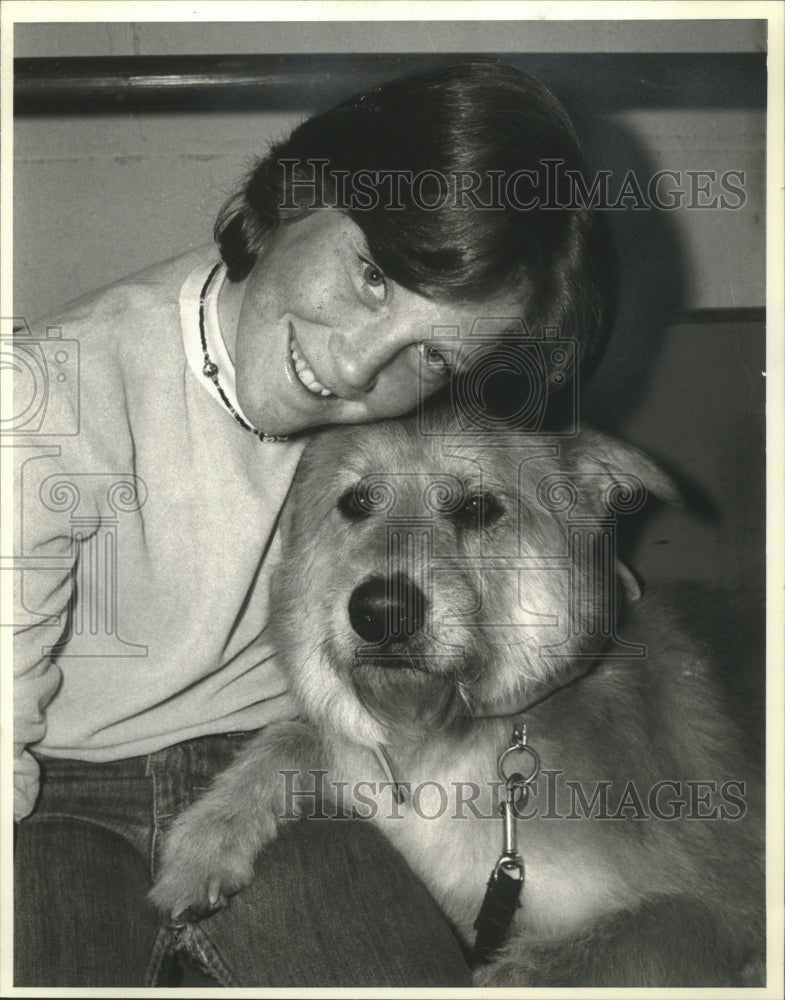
(44,585)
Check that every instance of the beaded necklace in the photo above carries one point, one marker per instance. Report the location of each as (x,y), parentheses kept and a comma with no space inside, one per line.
(210,370)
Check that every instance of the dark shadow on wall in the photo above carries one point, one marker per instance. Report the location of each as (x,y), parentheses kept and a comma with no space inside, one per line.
(651,263)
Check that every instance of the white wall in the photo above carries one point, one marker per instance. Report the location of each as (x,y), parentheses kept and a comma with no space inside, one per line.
(97,197)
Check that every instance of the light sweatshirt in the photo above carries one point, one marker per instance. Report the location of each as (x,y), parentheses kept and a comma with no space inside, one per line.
(145,532)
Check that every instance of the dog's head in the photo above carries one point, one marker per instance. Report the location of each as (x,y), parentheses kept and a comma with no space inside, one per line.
(428,577)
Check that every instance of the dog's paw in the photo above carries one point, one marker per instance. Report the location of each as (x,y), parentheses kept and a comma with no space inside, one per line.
(201,869)
(173,901)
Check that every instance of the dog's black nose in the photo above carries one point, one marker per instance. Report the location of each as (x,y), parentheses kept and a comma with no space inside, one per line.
(387,609)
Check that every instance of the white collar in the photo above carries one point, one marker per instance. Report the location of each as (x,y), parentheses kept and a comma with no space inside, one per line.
(190,294)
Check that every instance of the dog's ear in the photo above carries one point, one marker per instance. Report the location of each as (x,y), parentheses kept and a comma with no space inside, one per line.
(596,451)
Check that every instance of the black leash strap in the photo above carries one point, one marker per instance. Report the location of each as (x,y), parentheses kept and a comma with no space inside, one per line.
(502,899)
(502,895)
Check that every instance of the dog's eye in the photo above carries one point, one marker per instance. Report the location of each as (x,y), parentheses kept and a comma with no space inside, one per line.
(480,510)
(355,504)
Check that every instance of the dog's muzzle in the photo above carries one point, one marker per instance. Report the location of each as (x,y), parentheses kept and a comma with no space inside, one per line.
(387,610)
(394,672)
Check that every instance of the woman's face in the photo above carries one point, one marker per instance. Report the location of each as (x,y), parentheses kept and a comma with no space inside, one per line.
(323,337)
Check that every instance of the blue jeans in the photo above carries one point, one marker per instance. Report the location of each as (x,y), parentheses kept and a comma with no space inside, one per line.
(332,905)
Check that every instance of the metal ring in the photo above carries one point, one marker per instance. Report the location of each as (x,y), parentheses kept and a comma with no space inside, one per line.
(522,748)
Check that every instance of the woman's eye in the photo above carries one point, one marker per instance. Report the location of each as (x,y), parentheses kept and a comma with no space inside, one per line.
(432,358)
(373,275)
(375,280)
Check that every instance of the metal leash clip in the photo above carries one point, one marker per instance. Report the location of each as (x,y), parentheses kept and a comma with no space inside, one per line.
(502,895)
(517,785)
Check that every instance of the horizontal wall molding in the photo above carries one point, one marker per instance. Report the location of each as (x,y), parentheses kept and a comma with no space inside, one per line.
(608,81)
(753,314)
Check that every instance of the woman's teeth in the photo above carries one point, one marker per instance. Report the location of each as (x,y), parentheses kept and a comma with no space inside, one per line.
(305,375)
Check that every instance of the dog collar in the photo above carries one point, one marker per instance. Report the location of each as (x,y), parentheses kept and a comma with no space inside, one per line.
(565,678)
(493,712)
(386,765)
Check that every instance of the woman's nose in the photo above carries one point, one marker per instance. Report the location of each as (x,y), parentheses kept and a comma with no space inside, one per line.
(360,355)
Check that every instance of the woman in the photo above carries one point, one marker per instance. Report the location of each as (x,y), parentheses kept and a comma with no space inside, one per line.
(353,253)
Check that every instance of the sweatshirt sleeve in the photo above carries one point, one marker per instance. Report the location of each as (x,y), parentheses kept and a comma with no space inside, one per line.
(35,682)
(44,583)
(46,481)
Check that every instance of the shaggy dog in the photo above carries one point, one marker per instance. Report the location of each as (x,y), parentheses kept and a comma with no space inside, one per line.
(437,591)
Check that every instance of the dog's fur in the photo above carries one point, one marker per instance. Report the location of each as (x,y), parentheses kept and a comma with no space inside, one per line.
(625,901)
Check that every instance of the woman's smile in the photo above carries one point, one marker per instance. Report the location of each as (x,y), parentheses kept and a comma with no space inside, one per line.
(302,368)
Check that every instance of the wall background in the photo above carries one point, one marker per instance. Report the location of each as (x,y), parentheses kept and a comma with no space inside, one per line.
(166,175)
(97,196)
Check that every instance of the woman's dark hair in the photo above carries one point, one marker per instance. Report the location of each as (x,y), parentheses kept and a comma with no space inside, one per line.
(463,183)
